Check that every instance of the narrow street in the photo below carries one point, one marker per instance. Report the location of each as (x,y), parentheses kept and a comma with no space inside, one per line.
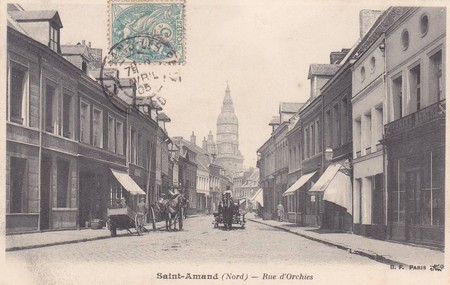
(197,244)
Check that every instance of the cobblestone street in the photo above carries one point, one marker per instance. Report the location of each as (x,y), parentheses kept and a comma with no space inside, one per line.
(198,244)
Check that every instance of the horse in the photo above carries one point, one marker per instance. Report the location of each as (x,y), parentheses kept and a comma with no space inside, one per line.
(227,212)
(172,210)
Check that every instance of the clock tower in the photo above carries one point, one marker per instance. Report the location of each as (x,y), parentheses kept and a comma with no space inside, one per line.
(228,153)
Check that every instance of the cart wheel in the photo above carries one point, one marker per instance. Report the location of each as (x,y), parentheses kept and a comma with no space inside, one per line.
(180,220)
(113,231)
(153,219)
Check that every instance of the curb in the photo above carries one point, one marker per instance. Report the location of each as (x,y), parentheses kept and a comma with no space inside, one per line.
(17,248)
(361,252)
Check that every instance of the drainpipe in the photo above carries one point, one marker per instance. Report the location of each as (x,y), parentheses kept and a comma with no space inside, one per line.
(41,104)
(385,114)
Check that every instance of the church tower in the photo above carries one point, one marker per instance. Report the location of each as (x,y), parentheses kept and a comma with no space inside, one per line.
(228,153)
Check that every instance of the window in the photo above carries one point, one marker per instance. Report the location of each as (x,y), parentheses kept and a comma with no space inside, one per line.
(432,208)
(119,137)
(111,134)
(132,145)
(367,128)
(54,39)
(405,39)
(398,195)
(436,81)
(424,25)
(336,138)
(97,129)
(328,129)
(67,116)
(63,184)
(313,141)
(18,184)
(357,139)
(18,94)
(372,64)
(139,157)
(50,108)
(85,122)
(362,73)
(415,89)
(317,138)
(344,121)
(306,143)
(397,92)
(377,122)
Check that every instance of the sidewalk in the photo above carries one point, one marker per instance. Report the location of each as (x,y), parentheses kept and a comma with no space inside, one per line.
(50,238)
(381,251)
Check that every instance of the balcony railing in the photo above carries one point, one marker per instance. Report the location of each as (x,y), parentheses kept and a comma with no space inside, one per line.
(419,118)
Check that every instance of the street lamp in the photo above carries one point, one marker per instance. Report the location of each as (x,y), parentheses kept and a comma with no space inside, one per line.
(328,154)
(346,167)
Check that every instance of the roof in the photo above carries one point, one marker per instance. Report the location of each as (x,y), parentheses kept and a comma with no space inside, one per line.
(201,158)
(72,49)
(13,24)
(163,117)
(381,25)
(323,69)
(290,107)
(275,120)
(31,16)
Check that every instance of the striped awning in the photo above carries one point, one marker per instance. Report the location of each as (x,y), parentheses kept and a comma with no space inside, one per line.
(299,183)
(335,186)
(127,182)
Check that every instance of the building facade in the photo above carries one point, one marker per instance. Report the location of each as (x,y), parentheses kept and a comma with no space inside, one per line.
(415,129)
(69,146)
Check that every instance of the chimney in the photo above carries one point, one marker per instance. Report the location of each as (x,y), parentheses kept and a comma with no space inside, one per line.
(193,138)
(89,44)
(337,56)
(83,42)
(366,20)
(205,144)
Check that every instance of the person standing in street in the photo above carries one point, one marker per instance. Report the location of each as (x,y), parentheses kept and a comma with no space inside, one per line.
(141,210)
(280,211)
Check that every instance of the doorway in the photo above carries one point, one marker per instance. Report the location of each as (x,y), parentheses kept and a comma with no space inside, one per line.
(46,174)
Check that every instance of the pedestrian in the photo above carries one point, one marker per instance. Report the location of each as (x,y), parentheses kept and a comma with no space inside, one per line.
(280,211)
(141,210)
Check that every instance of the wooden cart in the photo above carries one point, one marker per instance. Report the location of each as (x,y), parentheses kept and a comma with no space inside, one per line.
(123,219)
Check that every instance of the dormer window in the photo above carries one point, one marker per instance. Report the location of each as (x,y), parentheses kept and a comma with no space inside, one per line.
(53,39)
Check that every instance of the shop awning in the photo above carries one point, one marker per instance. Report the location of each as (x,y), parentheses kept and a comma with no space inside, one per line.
(299,183)
(335,186)
(127,182)
(258,197)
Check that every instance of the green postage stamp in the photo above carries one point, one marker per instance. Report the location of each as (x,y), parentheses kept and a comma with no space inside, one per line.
(148,31)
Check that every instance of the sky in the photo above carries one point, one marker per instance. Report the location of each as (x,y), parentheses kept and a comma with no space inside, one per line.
(262,48)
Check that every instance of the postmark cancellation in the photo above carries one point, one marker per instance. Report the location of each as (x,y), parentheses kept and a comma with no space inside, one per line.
(161,25)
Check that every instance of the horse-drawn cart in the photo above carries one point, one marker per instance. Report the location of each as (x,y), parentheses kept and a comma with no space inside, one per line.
(124,219)
(229,216)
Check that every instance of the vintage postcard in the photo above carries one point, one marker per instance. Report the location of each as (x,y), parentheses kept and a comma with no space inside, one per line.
(231,142)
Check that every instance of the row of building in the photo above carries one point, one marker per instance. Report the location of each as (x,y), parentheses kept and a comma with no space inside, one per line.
(74,147)
(366,152)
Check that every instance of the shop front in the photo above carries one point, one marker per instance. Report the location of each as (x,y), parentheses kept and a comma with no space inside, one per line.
(416,177)
(334,188)
(297,199)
